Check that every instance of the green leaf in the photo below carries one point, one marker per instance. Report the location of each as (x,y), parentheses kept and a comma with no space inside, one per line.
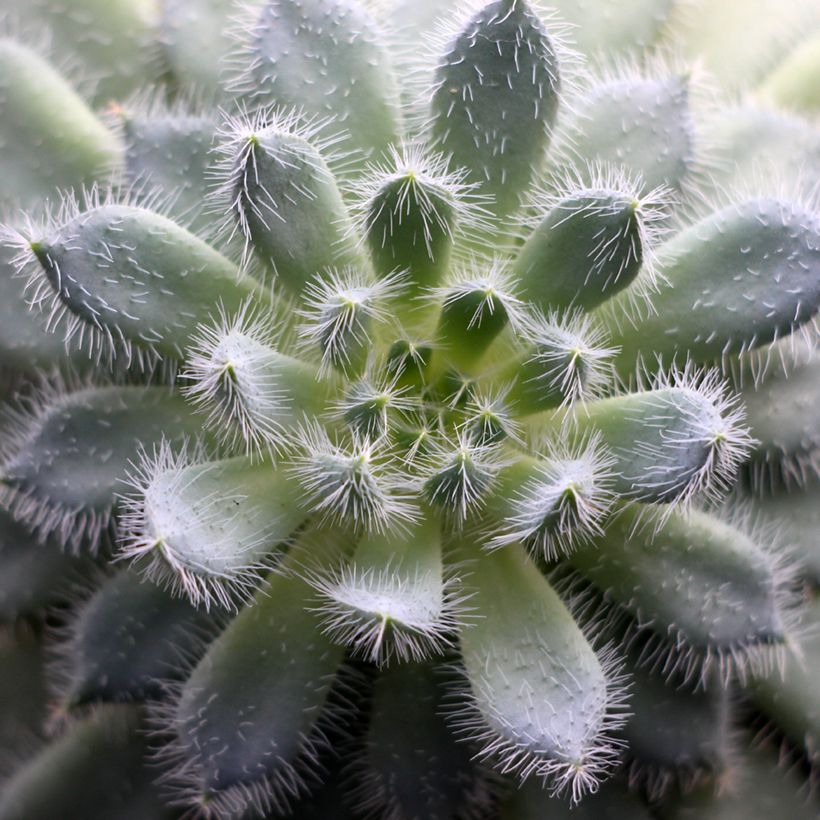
(281,195)
(495,98)
(616,27)
(127,641)
(137,278)
(68,451)
(682,439)
(251,718)
(326,58)
(96,770)
(49,138)
(741,277)
(709,593)
(539,700)
(24,690)
(770,30)
(752,139)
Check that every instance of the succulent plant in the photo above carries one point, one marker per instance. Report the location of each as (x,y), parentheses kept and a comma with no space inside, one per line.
(408,409)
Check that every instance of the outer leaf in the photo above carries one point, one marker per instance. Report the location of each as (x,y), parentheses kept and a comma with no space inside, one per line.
(64,462)
(614,26)
(540,700)
(762,790)
(642,123)
(96,770)
(34,576)
(495,98)
(793,84)
(677,735)
(701,584)
(195,40)
(753,139)
(49,138)
(791,699)
(795,514)
(112,41)
(249,720)
(782,414)
(170,152)
(741,277)
(25,343)
(23,684)
(613,801)
(126,640)
(137,277)
(326,58)
(770,29)
(413,769)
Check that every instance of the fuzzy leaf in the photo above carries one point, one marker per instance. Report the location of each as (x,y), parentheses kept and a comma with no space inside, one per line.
(25,344)
(249,719)
(64,463)
(391,600)
(125,640)
(619,27)
(769,29)
(137,277)
(285,200)
(495,99)
(741,277)
(326,58)
(587,248)
(643,124)
(49,138)
(208,529)
(795,513)
(669,443)
(540,701)
(170,153)
(708,591)
(753,139)
(96,770)
(23,684)
(195,41)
